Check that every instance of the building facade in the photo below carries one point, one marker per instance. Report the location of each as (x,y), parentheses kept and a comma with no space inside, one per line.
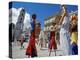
(51,21)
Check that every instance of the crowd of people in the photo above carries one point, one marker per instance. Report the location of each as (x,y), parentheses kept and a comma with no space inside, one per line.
(68,36)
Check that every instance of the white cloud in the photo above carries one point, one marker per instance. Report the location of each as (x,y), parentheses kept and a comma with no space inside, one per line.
(14,13)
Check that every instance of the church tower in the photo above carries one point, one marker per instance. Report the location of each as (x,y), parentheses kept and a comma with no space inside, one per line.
(20,24)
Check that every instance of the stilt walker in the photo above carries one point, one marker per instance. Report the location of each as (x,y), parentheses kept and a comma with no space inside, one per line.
(31,50)
(64,32)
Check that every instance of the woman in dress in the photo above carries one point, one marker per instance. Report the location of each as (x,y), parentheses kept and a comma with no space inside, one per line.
(52,41)
(74,34)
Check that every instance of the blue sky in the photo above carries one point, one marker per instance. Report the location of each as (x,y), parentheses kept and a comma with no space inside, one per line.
(42,10)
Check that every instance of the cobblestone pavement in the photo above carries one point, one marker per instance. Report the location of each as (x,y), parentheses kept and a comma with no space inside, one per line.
(17,52)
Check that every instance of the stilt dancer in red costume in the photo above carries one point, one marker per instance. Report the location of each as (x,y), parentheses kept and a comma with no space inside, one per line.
(31,49)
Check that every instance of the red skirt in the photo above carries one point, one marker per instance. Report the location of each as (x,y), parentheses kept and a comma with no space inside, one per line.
(53,44)
(31,49)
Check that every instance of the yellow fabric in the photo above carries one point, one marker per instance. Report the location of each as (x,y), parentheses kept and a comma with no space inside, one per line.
(74,37)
